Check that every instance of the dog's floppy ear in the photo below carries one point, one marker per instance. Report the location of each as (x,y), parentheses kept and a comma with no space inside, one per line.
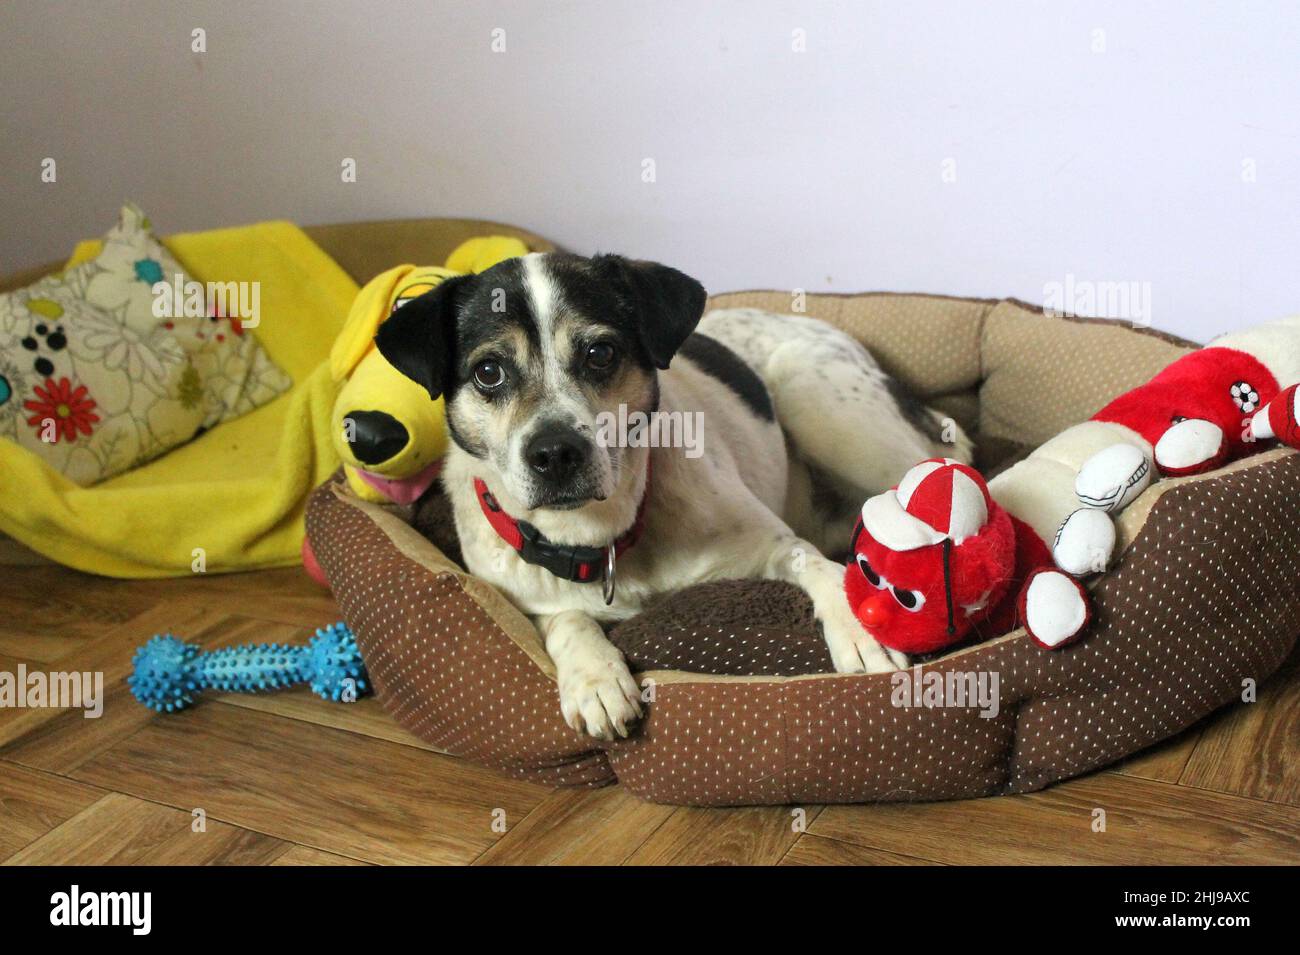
(419,338)
(668,303)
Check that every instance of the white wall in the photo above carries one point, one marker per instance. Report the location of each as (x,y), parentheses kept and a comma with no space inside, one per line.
(821,169)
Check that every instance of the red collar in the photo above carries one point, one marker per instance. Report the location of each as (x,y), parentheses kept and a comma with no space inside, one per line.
(566,561)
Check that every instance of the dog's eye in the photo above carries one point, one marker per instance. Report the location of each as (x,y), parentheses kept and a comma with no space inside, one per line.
(908,599)
(872,577)
(601,356)
(489,375)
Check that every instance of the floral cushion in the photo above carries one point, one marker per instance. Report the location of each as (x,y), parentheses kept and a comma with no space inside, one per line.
(99,373)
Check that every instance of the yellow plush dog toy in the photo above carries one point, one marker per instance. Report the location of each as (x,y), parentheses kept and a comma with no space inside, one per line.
(390,437)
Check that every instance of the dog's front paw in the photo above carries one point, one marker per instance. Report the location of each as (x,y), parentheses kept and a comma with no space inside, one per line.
(853,650)
(598,695)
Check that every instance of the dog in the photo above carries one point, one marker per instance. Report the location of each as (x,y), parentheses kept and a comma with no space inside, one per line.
(797,425)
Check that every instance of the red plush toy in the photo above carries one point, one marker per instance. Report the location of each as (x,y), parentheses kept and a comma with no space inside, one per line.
(1195,414)
(936,561)
(1208,408)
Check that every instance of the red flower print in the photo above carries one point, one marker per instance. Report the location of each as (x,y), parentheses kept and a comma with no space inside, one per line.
(70,409)
(215,314)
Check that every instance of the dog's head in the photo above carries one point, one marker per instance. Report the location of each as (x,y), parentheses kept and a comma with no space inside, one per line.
(531,355)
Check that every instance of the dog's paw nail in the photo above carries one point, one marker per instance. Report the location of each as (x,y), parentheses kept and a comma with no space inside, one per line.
(606,697)
(849,666)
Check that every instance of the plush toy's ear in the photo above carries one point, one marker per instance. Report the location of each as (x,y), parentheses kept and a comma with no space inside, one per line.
(419,338)
(369,308)
(484,251)
(668,303)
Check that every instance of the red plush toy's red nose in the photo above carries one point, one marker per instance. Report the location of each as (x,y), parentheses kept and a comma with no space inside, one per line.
(874,610)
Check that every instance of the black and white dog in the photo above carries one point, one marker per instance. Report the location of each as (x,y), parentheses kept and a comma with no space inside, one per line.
(794,426)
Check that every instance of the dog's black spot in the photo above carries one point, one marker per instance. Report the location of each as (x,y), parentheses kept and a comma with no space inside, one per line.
(716,359)
(916,413)
(473,450)
(493,304)
(655,306)
(589,292)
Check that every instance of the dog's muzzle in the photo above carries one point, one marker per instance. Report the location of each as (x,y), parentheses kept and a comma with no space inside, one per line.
(557,454)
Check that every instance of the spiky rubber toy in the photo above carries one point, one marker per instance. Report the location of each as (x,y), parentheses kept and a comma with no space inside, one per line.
(168,673)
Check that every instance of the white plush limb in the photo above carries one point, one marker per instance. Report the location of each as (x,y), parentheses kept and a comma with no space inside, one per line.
(1261,425)
(1056,608)
(1040,490)
(1085,542)
(1188,444)
(1112,479)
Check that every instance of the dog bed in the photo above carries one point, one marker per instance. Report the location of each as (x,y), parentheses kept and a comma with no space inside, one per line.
(1205,596)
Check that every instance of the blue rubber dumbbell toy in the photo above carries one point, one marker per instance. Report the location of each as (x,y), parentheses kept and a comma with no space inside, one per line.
(168,673)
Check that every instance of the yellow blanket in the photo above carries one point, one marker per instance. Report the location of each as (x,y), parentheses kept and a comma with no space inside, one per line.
(232,499)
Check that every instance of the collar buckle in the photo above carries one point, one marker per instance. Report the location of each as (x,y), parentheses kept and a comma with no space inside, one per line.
(567,563)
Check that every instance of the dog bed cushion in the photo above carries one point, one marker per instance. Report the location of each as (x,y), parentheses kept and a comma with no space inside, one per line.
(1206,595)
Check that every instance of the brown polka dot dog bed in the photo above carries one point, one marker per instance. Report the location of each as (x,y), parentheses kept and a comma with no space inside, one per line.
(1205,596)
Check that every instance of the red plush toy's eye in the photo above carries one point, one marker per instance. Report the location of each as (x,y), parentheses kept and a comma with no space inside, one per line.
(912,600)
(873,578)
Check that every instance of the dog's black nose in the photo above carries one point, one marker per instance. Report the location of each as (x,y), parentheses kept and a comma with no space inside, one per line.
(556,453)
(375,436)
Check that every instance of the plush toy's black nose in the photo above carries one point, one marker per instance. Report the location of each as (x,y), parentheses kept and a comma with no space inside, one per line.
(375,436)
(556,452)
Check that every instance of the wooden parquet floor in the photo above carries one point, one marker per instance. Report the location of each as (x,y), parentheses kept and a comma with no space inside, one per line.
(287,779)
